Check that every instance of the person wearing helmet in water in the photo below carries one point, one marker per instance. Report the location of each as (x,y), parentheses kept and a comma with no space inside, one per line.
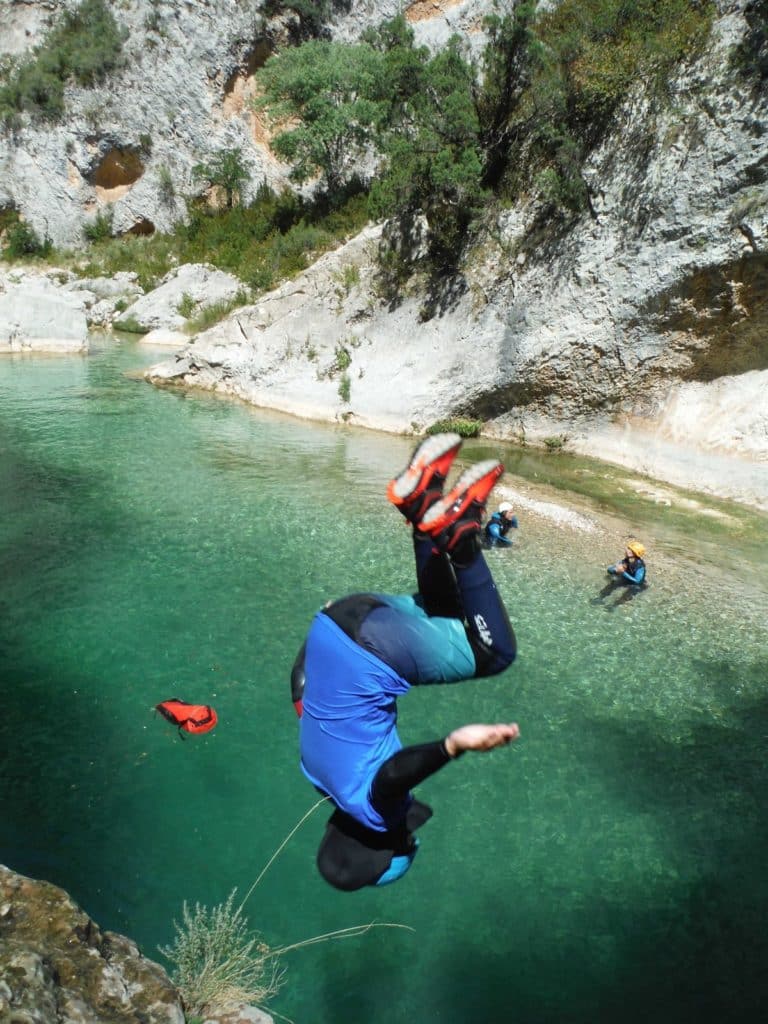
(365,650)
(629,575)
(631,569)
(499,525)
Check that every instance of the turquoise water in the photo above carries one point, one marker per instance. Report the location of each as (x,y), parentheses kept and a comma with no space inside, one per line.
(609,867)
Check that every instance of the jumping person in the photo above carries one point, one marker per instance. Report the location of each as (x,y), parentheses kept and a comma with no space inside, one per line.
(365,650)
(498,526)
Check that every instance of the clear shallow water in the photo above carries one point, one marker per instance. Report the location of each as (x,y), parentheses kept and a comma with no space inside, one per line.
(609,867)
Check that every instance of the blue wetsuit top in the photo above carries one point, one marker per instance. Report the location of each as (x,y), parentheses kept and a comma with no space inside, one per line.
(497,528)
(637,576)
(349,725)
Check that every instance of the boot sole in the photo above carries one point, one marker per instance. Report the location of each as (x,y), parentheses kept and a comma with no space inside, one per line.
(415,479)
(474,485)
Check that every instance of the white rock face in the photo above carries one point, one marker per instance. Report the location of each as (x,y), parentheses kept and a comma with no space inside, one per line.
(165,338)
(629,320)
(37,315)
(194,284)
(661,293)
(729,414)
(180,97)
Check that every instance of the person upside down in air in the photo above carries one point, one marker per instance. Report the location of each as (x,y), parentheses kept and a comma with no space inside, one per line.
(365,650)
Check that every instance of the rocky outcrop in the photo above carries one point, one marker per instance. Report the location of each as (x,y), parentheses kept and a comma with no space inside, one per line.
(182,294)
(128,146)
(36,315)
(52,310)
(58,967)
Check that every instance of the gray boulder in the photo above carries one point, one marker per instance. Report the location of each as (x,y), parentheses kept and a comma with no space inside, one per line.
(194,285)
(37,315)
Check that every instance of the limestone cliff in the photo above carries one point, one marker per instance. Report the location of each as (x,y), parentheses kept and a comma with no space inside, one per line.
(644,324)
(56,965)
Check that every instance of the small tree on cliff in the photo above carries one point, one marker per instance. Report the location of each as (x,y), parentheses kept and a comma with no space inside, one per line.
(224,170)
(327,98)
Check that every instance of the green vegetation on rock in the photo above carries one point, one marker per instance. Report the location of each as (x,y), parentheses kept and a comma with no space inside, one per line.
(462,427)
(83,47)
(21,240)
(272,239)
(451,135)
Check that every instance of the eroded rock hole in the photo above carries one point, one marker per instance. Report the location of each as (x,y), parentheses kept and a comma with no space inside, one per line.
(254,59)
(143,226)
(118,168)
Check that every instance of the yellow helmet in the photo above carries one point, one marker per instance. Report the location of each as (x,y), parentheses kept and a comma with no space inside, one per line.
(636,548)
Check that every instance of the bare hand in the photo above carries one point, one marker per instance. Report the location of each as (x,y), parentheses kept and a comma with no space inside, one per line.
(480,737)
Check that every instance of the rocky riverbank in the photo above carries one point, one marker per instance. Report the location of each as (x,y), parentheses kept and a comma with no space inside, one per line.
(293,349)
(58,967)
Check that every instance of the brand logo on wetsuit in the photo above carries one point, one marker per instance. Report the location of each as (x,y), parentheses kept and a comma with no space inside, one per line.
(482,629)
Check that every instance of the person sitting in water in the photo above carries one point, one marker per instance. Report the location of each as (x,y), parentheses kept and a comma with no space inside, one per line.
(628,575)
(499,525)
(631,569)
(365,650)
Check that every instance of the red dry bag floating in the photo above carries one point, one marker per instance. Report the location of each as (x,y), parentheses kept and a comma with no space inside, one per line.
(194,718)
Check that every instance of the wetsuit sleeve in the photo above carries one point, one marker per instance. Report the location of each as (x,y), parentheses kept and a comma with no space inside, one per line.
(497,537)
(297,679)
(406,769)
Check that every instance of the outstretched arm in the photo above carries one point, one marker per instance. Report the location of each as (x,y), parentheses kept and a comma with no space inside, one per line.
(411,765)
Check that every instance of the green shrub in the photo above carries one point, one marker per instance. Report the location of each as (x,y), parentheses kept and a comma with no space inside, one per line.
(345,388)
(165,185)
(130,325)
(150,257)
(556,443)
(216,311)
(21,241)
(342,359)
(217,964)
(84,46)
(186,306)
(349,278)
(264,243)
(225,170)
(100,228)
(553,81)
(462,427)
